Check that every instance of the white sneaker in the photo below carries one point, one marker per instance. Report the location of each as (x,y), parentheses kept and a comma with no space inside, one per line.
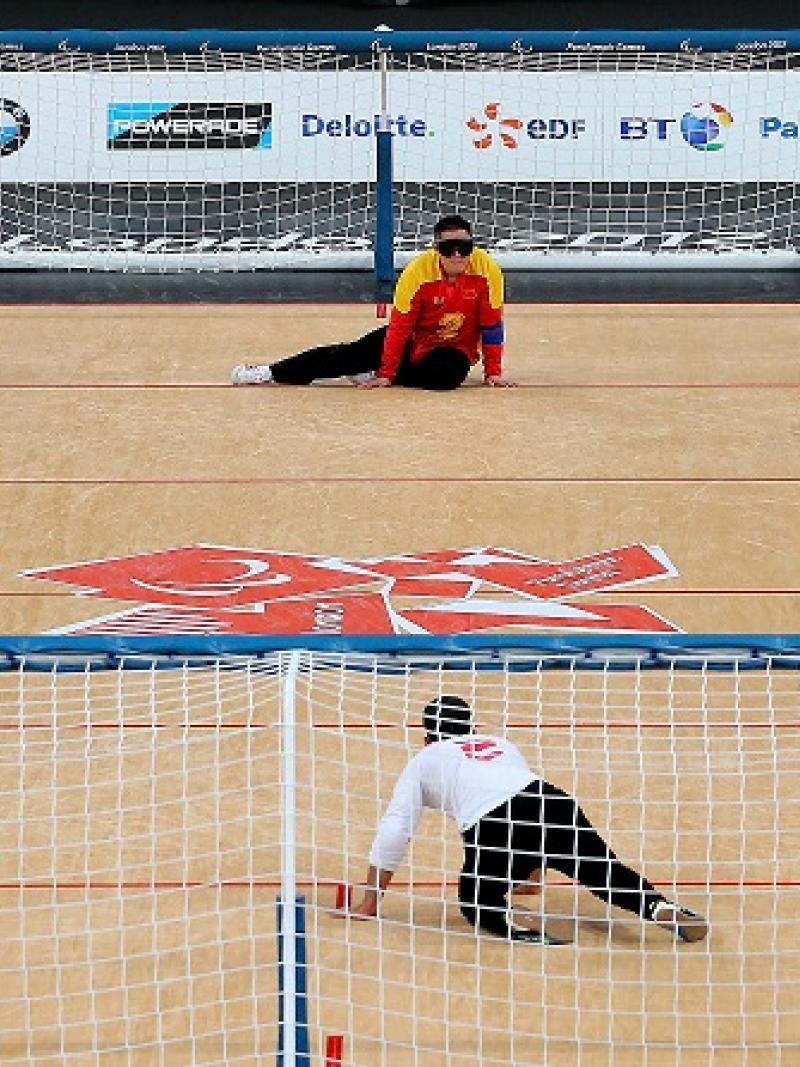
(251,374)
(360,379)
(685,924)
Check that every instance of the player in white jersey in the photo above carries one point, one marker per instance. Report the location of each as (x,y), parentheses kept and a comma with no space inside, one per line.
(512,824)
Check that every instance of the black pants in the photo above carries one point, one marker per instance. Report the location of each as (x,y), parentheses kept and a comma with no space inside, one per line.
(541,826)
(441,368)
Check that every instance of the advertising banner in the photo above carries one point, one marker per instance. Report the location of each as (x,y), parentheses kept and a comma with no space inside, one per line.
(480,126)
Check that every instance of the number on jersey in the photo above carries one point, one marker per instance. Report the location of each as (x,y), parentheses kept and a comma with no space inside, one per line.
(484,749)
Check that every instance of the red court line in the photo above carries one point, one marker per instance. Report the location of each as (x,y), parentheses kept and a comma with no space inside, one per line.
(405,480)
(554,725)
(116,386)
(274,883)
(618,592)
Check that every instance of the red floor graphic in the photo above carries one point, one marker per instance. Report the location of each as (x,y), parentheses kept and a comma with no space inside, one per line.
(214,589)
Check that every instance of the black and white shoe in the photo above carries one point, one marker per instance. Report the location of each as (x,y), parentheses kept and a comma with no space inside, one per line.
(534,937)
(251,374)
(683,923)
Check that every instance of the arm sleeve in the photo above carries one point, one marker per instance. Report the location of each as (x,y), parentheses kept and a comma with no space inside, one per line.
(401,325)
(400,822)
(405,312)
(492,332)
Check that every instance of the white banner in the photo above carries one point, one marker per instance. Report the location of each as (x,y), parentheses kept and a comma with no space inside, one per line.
(245,126)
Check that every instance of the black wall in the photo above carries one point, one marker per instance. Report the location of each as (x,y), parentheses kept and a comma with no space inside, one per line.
(413,14)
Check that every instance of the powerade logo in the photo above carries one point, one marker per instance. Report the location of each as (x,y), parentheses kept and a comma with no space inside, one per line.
(15,127)
(493,128)
(704,127)
(157,125)
(348,125)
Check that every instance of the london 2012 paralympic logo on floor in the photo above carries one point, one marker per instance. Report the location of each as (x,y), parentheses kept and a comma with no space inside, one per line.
(216,589)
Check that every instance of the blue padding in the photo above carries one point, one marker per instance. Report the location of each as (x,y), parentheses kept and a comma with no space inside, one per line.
(488,652)
(302,1044)
(364,41)
(384,209)
(493,335)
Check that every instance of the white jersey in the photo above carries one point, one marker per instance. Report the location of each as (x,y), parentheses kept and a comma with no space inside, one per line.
(466,777)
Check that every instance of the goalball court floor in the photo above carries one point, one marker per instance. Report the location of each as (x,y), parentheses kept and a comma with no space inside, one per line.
(668,424)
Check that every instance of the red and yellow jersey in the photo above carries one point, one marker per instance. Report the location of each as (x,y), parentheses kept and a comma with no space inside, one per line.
(430,310)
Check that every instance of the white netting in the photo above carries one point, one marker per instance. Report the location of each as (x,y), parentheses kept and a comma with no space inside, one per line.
(144,824)
(139,866)
(220,160)
(687,773)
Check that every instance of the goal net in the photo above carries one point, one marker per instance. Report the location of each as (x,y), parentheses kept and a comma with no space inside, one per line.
(183,816)
(243,151)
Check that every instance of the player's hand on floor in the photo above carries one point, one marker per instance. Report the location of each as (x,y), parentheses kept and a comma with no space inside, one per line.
(531,888)
(365,909)
(498,382)
(358,913)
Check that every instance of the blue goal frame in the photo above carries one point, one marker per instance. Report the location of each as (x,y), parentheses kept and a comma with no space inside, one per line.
(592,652)
(381,43)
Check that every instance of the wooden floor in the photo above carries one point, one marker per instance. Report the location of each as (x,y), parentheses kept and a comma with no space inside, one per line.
(667,425)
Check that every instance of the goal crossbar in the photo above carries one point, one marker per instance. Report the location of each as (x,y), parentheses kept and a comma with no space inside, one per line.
(642,651)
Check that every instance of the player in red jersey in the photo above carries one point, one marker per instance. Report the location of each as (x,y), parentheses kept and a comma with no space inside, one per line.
(446,317)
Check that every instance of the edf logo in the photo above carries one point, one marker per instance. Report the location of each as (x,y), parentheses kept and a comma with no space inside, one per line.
(507,131)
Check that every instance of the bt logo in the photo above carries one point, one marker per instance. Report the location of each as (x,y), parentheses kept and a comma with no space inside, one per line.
(506,131)
(704,127)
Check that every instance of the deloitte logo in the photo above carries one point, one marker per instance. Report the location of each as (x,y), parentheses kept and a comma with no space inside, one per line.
(349,125)
(15,127)
(705,126)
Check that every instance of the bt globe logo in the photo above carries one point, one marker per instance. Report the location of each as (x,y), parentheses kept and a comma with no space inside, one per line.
(705,126)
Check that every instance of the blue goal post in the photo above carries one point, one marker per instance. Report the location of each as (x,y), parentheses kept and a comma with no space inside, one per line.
(242,150)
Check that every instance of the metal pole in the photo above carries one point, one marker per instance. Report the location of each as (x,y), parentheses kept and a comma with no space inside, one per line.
(288,912)
(384,199)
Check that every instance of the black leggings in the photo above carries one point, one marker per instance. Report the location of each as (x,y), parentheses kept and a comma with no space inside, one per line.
(441,368)
(541,826)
